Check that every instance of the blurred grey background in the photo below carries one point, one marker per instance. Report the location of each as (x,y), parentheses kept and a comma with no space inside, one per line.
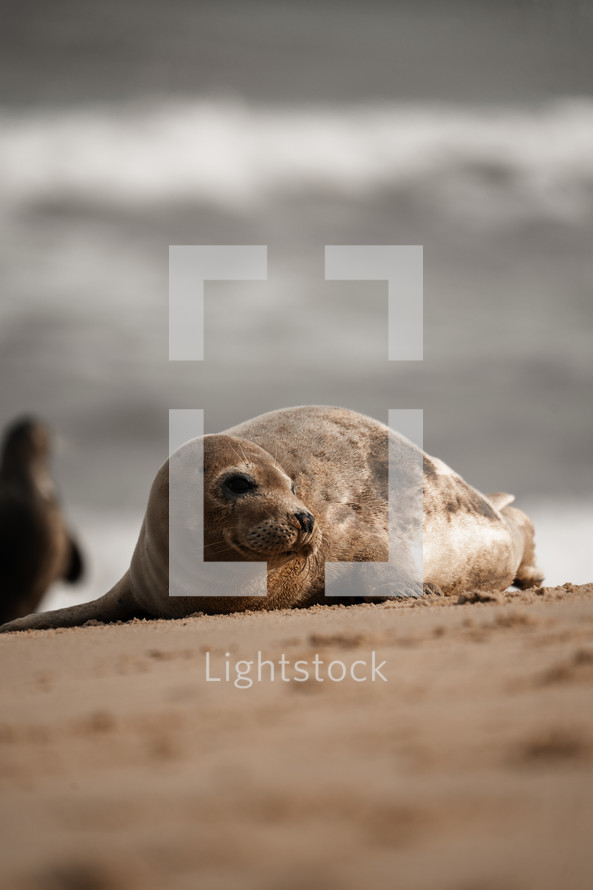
(464,126)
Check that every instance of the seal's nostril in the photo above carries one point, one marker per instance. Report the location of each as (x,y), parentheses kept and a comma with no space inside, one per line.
(306,521)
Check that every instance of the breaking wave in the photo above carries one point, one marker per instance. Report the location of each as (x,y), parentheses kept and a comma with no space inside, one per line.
(237,156)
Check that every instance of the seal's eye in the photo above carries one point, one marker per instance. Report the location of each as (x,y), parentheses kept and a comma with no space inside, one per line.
(292,488)
(238,484)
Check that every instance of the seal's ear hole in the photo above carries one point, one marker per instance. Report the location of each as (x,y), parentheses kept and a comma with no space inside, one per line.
(292,487)
(238,483)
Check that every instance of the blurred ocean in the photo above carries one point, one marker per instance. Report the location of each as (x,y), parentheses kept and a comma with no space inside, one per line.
(495,165)
(468,130)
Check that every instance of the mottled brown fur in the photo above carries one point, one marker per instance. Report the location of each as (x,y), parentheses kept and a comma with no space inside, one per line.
(338,462)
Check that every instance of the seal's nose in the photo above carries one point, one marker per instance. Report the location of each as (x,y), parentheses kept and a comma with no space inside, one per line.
(306,521)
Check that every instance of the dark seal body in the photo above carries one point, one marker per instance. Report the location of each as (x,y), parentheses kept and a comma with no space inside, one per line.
(36,547)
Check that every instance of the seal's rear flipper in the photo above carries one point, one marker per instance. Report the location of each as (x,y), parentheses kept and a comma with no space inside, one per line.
(528,572)
(500,499)
(117,605)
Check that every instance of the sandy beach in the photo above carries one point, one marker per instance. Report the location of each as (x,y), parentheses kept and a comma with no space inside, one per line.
(456,752)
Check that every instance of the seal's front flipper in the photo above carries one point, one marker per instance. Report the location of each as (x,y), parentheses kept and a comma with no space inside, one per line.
(75,563)
(392,588)
(117,605)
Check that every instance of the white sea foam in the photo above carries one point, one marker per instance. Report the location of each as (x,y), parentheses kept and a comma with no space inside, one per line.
(235,155)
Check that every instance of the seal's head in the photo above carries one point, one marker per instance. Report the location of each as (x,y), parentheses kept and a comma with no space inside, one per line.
(251,508)
(26,440)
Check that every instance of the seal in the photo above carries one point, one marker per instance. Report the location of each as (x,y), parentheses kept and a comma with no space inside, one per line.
(299,487)
(36,547)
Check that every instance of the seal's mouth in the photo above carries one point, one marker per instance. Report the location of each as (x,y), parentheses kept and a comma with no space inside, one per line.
(274,559)
(243,551)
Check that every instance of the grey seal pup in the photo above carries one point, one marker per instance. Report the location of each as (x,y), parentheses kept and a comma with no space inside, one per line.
(298,487)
